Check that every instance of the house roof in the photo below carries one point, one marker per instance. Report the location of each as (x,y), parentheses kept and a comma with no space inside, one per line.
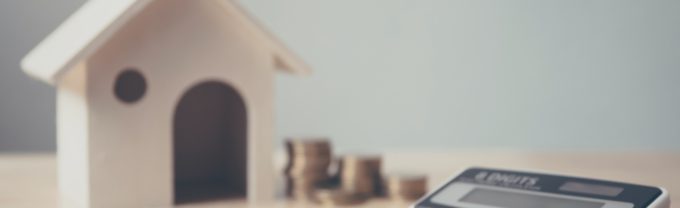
(97,20)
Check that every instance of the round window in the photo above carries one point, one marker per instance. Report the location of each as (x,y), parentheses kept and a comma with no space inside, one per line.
(130,86)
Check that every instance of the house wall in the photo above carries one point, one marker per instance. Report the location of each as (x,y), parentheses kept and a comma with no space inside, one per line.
(72,138)
(176,44)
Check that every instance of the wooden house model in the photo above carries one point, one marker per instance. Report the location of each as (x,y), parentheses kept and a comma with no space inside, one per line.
(162,102)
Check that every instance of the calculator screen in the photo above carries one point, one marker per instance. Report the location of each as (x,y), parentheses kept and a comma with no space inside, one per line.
(505,199)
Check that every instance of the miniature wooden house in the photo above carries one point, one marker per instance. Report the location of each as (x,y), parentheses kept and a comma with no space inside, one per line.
(162,100)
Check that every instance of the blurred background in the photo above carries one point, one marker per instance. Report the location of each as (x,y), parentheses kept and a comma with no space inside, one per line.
(419,74)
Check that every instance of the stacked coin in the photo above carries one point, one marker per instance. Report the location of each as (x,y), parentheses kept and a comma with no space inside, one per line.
(360,174)
(405,187)
(335,197)
(307,170)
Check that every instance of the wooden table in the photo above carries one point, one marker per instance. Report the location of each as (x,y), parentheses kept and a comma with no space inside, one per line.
(29,180)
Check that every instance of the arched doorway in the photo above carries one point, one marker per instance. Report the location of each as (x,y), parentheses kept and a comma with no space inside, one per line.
(209,144)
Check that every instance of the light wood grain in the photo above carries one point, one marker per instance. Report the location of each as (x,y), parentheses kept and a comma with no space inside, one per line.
(29,180)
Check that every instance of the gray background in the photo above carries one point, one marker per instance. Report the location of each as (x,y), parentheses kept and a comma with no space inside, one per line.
(531,74)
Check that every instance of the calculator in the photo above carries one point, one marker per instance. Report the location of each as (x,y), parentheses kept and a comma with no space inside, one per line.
(498,188)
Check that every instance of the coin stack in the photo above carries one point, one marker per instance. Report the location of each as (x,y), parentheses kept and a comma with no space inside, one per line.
(360,175)
(338,197)
(307,169)
(405,187)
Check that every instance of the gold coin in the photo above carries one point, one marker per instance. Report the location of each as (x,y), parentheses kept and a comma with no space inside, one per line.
(360,174)
(405,187)
(340,197)
(302,188)
(308,146)
(309,162)
(352,165)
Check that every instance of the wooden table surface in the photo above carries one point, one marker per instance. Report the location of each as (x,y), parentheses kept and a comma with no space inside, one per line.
(29,180)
